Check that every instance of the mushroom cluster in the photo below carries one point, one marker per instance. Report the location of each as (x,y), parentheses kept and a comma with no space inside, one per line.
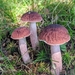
(55,35)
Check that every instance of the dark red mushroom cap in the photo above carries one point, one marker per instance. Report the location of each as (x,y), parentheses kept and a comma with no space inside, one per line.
(31,16)
(20,33)
(54,34)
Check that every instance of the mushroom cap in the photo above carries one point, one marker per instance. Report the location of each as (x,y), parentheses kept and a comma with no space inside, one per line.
(20,33)
(31,16)
(54,34)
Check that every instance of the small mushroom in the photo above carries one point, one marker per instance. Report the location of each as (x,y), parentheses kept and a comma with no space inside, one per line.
(55,35)
(32,17)
(20,34)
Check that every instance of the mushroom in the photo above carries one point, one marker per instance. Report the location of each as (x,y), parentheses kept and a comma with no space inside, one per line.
(20,34)
(55,35)
(32,17)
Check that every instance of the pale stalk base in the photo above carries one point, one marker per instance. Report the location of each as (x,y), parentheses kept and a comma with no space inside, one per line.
(23,50)
(56,60)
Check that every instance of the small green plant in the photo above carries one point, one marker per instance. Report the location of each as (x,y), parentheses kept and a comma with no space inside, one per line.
(41,56)
(11,46)
(44,68)
(67,59)
(20,73)
(63,47)
(41,67)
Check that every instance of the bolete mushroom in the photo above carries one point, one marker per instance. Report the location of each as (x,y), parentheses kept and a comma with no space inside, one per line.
(20,34)
(55,35)
(32,17)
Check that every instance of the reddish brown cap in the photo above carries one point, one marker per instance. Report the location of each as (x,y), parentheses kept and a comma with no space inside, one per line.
(20,33)
(31,16)
(54,34)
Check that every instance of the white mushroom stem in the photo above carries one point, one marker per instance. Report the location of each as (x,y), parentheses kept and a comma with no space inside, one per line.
(23,50)
(56,59)
(33,35)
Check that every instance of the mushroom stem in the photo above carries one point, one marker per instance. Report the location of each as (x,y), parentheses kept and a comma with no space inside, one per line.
(33,36)
(23,50)
(56,59)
